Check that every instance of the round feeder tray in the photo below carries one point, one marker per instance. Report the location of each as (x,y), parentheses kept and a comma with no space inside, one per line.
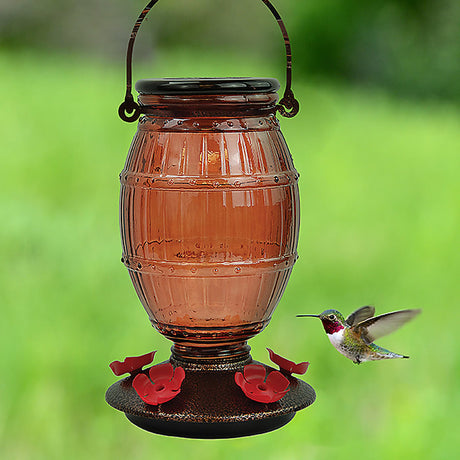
(210,405)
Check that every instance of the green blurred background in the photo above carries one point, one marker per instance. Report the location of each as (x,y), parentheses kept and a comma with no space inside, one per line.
(377,144)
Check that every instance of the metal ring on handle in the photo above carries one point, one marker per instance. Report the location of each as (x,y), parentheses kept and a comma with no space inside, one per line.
(130,111)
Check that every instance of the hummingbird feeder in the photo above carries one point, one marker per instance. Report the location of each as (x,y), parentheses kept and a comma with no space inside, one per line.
(209,218)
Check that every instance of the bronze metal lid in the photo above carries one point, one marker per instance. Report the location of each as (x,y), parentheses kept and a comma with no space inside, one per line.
(189,86)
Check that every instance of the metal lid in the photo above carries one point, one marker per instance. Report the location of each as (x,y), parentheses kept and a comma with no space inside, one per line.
(190,86)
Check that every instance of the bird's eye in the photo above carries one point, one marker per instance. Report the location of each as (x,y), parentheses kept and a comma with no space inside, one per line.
(331,317)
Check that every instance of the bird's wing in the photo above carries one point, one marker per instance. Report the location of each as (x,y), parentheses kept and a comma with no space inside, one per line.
(360,315)
(373,328)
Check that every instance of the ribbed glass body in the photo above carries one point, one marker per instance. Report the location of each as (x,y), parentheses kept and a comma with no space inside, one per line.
(209,217)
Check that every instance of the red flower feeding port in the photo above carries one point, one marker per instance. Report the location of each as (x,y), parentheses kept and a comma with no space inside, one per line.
(288,366)
(261,386)
(162,386)
(209,217)
(132,364)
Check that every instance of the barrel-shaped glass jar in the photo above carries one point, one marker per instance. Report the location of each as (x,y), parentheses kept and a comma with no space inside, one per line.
(209,212)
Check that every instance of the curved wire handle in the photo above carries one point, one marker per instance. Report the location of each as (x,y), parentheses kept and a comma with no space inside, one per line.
(130,111)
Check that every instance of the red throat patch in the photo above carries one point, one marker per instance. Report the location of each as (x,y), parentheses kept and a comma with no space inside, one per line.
(332,326)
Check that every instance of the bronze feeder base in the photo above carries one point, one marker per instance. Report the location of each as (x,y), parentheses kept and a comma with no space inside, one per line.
(210,404)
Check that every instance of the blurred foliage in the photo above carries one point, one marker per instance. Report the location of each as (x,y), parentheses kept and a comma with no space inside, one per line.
(379,219)
(379,224)
(75,25)
(410,47)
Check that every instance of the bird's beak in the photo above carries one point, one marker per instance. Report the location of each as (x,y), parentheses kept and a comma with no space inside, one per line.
(311,316)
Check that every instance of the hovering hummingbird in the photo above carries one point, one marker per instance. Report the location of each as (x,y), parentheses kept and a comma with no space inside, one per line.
(354,336)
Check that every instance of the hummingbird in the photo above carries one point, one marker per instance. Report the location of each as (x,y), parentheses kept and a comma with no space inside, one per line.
(354,336)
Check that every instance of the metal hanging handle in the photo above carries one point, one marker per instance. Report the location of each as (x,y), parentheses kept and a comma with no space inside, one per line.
(130,111)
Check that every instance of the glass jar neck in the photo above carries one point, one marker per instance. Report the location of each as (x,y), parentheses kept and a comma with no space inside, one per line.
(209,105)
(224,356)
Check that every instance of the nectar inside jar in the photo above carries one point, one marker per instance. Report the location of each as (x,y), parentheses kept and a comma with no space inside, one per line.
(209,211)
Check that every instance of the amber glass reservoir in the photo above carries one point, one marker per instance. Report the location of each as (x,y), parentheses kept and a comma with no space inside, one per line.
(209,212)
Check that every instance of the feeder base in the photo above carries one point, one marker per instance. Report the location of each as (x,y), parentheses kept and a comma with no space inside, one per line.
(210,405)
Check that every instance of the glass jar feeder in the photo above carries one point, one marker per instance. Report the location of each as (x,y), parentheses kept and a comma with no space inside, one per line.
(209,218)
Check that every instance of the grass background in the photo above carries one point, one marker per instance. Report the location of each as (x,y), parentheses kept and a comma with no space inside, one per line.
(379,225)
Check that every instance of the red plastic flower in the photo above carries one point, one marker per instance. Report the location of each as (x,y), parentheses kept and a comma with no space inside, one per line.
(258,388)
(163,385)
(132,364)
(289,366)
